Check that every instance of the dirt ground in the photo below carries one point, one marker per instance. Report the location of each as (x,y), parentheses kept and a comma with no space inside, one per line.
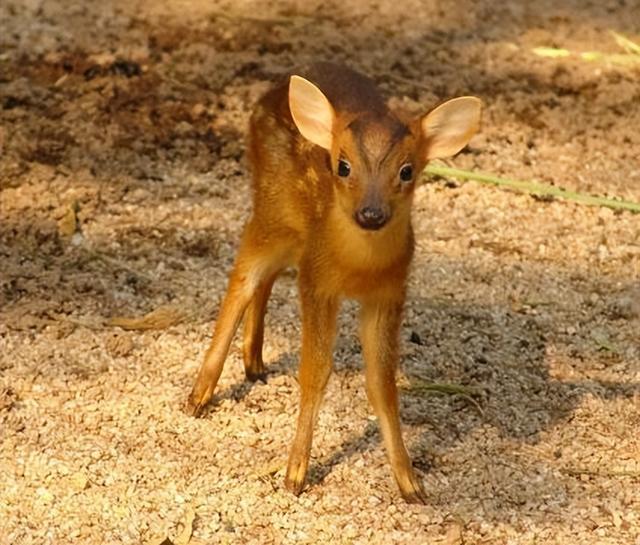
(123,190)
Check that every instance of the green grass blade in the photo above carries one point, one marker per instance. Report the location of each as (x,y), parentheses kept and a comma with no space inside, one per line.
(626,44)
(533,188)
(551,52)
(622,59)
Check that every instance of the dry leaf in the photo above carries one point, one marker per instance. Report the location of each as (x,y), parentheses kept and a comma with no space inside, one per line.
(7,398)
(454,535)
(185,536)
(119,345)
(160,318)
(270,469)
(68,224)
(78,482)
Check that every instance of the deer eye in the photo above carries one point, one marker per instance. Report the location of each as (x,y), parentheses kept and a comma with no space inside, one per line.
(344,168)
(406,172)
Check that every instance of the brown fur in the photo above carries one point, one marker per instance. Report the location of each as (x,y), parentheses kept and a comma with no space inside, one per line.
(303,216)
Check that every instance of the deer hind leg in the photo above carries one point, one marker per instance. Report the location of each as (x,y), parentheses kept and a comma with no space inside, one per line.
(254,329)
(255,262)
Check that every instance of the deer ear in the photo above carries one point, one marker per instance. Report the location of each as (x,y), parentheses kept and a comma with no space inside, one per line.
(311,111)
(449,127)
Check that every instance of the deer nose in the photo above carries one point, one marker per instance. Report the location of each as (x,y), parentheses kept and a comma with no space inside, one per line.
(371,218)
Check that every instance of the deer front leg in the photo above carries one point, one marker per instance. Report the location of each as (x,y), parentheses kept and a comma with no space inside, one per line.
(318,332)
(379,331)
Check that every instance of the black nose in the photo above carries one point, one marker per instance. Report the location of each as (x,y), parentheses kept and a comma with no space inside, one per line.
(371,218)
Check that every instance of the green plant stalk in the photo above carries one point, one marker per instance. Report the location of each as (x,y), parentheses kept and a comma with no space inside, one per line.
(417,385)
(534,188)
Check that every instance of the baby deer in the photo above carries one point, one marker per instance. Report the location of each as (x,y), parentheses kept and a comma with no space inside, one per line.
(334,172)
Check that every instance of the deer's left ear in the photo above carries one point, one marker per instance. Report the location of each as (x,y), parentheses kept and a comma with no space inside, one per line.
(449,127)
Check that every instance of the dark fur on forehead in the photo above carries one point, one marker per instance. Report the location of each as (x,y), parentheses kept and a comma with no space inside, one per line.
(377,134)
(387,123)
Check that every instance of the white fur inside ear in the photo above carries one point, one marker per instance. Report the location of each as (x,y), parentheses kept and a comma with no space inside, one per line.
(449,127)
(311,111)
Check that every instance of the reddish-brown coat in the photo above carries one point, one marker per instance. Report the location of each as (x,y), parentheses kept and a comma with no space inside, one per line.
(306,215)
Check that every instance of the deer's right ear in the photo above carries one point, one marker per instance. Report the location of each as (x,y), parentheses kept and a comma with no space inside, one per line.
(311,111)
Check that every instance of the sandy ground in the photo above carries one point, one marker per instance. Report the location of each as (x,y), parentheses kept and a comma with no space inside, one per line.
(123,190)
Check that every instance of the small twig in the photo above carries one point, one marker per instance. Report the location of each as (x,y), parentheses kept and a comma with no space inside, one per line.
(116,263)
(77,322)
(284,21)
(533,188)
(474,404)
(440,387)
(598,473)
(159,318)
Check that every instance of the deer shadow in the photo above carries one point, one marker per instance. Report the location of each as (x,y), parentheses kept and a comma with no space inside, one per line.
(499,357)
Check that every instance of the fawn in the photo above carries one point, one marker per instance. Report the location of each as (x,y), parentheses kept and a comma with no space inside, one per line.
(334,172)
